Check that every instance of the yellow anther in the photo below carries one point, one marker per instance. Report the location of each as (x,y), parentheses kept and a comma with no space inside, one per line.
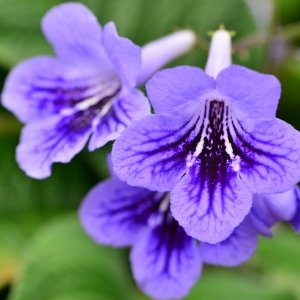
(221,27)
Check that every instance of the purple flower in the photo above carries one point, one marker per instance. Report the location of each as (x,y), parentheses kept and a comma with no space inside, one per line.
(166,262)
(88,91)
(269,209)
(214,142)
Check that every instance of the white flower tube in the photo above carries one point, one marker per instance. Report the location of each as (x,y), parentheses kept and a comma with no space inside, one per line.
(158,53)
(219,56)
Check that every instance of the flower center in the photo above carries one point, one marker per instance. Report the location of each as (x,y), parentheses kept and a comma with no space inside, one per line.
(88,110)
(213,138)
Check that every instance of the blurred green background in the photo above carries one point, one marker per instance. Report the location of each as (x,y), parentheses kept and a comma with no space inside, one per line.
(44,253)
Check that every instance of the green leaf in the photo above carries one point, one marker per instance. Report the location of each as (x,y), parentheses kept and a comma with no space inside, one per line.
(14,234)
(62,263)
(281,252)
(289,105)
(287,11)
(140,20)
(237,283)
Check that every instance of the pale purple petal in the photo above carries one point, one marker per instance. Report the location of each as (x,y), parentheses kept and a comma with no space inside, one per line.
(110,167)
(210,202)
(128,107)
(124,54)
(295,221)
(254,95)
(269,209)
(166,262)
(44,86)
(75,34)
(148,153)
(114,213)
(176,91)
(283,205)
(261,215)
(235,250)
(55,139)
(269,154)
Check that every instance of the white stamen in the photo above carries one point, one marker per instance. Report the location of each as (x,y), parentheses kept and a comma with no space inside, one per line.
(104,89)
(86,103)
(235,164)
(107,106)
(219,56)
(228,146)
(165,203)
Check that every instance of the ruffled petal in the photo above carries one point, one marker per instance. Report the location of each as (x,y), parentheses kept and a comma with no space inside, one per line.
(272,208)
(261,215)
(127,108)
(283,205)
(254,95)
(268,209)
(233,251)
(209,204)
(114,213)
(149,152)
(269,154)
(55,139)
(75,34)
(124,54)
(176,91)
(44,86)
(166,262)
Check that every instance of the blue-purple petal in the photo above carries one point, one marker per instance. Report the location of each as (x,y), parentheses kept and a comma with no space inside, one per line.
(55,139)
(166,262)
(254,95)
(261,215)
(176,91)
(269,209)
(128,107)
(210,206)
(114,213)
(148,153)
(235,250)
(295,221)
(272,208)
(75,34)
(124,54)
(44,86)
(270,156)
(283,205)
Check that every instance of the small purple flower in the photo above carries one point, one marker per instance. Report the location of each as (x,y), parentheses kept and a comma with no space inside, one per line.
(88,91)
(214,142)
(269,209)
(166,262)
